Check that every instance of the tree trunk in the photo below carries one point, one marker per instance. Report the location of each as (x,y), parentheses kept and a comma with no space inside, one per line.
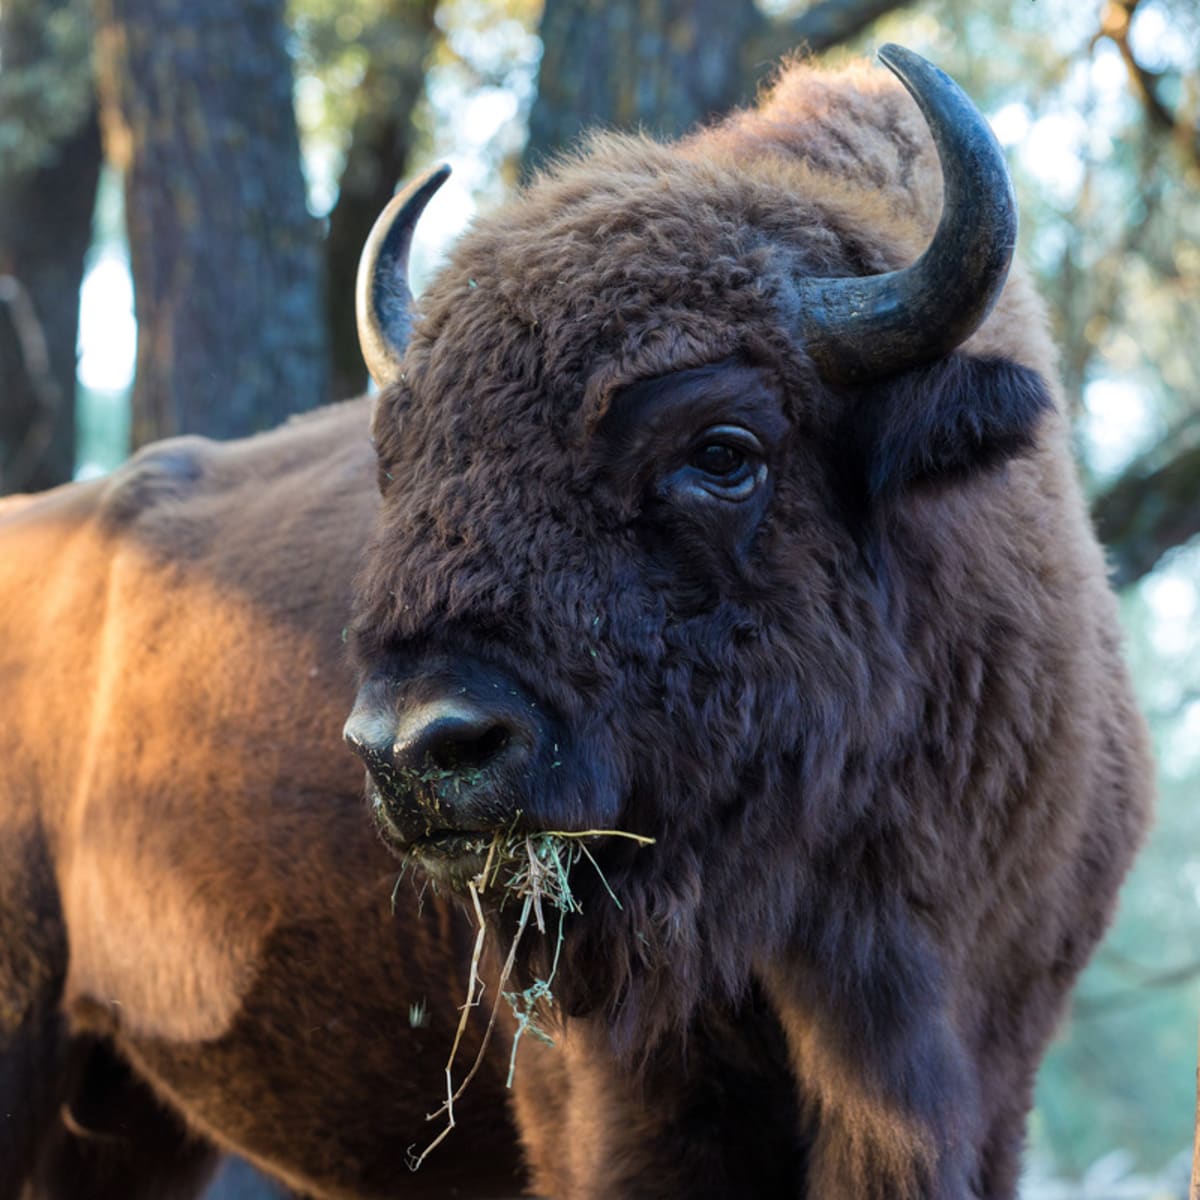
(380,146)
(47,194)
(197,109)
(657,65)
(666,65)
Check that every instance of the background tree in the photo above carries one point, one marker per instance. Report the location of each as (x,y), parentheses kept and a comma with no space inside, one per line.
(49,163)
(197,113)
(666,65)
(370,57)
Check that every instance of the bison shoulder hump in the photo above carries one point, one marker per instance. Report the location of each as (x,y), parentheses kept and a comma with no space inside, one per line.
(160,474)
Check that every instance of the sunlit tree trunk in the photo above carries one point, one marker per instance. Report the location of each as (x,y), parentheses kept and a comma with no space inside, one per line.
(197,110)
(47,193)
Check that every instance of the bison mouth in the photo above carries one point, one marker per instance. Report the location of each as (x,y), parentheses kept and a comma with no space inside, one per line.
(452,856)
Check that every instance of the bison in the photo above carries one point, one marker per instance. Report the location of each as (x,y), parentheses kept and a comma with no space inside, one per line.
(705,515)
(727,501)
(197,942)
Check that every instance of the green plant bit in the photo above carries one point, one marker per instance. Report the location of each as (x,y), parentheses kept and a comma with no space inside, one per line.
(525,1004)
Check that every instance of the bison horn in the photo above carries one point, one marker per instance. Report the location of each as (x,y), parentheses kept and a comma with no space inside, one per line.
(862,328)
(383,300)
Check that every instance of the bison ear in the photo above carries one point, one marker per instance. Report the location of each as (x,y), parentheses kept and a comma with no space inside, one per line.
(944,421)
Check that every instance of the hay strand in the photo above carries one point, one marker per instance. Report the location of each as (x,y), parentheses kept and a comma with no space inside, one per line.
(537,871)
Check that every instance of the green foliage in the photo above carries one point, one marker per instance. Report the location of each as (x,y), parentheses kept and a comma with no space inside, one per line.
(348,54)
(46,87)
(333,44)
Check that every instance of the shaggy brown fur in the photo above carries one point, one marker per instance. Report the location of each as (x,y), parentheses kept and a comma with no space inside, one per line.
(876,719)
(875,714)
(189,886)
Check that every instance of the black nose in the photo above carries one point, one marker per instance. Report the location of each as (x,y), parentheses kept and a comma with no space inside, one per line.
(447,754)
(452,737)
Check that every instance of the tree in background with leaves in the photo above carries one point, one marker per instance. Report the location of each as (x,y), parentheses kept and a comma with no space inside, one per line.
(197,114)
(370,57)
(49,164)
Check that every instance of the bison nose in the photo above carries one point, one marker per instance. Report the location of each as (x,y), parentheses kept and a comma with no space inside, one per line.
(452,737)
(439,741)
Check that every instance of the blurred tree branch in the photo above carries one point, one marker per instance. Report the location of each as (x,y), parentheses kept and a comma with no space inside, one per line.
(1115,21)
(1146,513)
(820,28)
(1150,509)
(1087,1006)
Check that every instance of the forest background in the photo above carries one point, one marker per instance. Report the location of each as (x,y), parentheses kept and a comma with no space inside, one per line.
(185,187)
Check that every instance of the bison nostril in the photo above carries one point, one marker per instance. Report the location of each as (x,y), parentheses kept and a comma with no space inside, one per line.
(451,737)
(466,748)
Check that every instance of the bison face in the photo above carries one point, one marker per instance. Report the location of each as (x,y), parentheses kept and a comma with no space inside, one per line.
(642,561)
(566,646)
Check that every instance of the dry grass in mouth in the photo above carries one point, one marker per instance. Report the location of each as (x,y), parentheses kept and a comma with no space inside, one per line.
(534,870)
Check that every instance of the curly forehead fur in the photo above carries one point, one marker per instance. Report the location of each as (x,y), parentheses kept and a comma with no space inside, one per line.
(607,268)
(872,728)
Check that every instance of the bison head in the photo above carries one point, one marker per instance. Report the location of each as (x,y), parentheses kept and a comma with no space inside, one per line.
(652,461)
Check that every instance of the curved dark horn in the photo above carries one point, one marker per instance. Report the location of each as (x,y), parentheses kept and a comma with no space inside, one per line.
(863,327)
(382,297)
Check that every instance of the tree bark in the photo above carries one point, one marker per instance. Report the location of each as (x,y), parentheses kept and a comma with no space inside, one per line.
(378,158)
(47,195)
(197,108)
(657,65)
(666,65)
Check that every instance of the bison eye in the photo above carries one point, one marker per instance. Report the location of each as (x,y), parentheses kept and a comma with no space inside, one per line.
(719,459)
(725,462)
